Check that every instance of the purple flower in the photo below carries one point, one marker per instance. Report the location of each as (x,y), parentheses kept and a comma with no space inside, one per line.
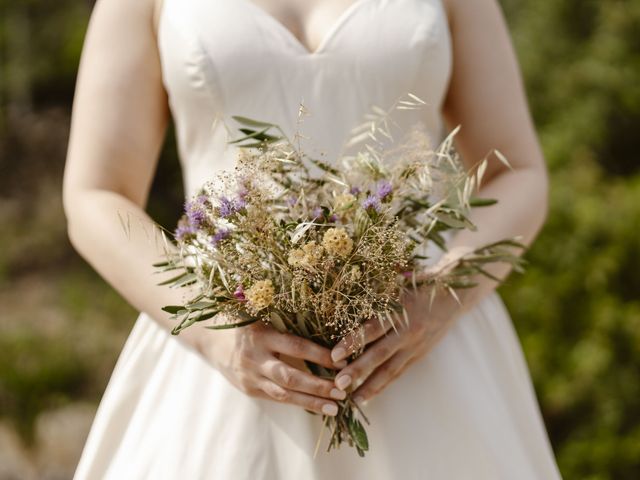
(354,190)
(230,206)
(384,189)
(371,201)
(219,236)
(195,216)
(333,218)
(240,202)
(292,200)
(239,293)
(183,230)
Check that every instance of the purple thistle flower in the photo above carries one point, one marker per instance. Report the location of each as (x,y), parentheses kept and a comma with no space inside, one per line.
(239,293)
(384,189)
(371,201)
(183,230)
(219,236)
(292,200)
(229,207)
(333,218)
(195,215)
(354,190)
(241,202)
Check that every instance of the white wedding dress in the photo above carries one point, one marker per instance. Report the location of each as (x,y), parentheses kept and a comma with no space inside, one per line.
(467,410)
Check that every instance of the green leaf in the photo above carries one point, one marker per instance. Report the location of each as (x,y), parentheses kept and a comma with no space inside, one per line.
(462,284)
(251,122)
(187,280)
(207,316)
(358,434)
(325,166)
(172,309)
(232,325)
(260,135)
(438,239)
(277,321)
(510,242)
(488,275)
(174,279)
(482,202)
(453,222)
(253,145)
(200,305)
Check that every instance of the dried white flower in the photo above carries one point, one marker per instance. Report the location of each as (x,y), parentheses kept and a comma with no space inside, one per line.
(337,242)
(260,295)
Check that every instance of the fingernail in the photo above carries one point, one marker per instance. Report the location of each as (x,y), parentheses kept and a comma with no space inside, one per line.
(338,394)
(330,409)
(341,364)
(343,382)
(338,354)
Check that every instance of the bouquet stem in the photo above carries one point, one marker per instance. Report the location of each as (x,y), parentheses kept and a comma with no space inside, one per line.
(345,426)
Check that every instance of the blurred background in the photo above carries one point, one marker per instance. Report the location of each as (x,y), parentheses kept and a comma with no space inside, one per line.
(576,310)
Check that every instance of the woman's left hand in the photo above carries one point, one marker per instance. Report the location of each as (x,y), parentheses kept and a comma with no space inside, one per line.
(389,353)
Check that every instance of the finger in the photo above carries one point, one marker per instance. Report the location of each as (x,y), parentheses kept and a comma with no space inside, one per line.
(309,402)
(374,356)
(299,347)
(383,376)
(291,378)
(370,331)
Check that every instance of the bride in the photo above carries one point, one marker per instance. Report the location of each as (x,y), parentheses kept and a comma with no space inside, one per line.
(450,397)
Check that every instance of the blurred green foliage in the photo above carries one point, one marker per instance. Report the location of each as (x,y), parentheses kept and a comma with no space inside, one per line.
(577,308)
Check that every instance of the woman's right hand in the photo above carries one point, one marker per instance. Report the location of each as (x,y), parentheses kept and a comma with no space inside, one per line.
(253,357)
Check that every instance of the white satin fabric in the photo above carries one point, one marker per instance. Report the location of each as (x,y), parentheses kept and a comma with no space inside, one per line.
(467,410)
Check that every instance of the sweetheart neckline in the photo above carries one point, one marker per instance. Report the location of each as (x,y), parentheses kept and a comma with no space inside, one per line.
(326,39)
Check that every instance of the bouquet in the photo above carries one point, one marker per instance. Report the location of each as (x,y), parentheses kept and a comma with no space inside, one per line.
(318,255)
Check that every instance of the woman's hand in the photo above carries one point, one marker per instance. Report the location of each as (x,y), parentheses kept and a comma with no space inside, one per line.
(389,353)
(262,362)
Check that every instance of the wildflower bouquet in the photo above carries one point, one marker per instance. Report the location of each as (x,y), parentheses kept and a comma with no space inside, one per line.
(318,255)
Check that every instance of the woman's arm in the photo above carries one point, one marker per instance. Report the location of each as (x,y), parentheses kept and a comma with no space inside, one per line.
(119,120)
(486,97)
